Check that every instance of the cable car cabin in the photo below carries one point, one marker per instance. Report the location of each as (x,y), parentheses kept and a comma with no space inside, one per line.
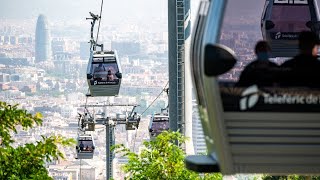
(132,123)
(283,20)
(159,122)
(104,73)
(265,128)
(87,122)
(85,147)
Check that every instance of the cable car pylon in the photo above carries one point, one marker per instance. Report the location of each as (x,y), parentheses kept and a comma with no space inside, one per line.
(104,79)
(87,122)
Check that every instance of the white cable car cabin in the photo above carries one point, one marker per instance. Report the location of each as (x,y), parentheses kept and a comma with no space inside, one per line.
(159,122)
(104,73)
(85,147)
(255,129)
(283,20)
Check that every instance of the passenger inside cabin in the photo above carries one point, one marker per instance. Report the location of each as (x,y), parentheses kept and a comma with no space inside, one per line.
(110,76)
(100,68)
(262,71)
(81,146)
(98,72)
(135,116)
(303,69)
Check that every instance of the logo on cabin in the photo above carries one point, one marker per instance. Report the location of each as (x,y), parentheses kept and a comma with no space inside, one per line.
(249,98)
(285,35)
(278,35)
(290,2)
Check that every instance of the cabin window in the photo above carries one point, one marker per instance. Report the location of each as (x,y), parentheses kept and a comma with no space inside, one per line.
(104,73)
(274,87)
(290,18)
(86,145)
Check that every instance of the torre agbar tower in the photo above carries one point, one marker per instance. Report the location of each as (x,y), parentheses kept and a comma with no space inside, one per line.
(42,46)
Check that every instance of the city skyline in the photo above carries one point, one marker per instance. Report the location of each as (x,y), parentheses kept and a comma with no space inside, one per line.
(64,87)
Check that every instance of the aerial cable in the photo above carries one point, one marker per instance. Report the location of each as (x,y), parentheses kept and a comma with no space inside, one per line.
(156,98)
(135,136)
(99,21)
(85,105)
(80,169)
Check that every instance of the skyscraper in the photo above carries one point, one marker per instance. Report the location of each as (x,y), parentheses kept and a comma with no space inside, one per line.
(43,46)
(84,50)
(126,48)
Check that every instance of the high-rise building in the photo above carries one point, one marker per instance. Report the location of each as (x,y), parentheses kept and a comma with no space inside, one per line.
(6,40)
(43,47)
(126,48)
(4,78)
(84,50)
(58,46)
(13,40)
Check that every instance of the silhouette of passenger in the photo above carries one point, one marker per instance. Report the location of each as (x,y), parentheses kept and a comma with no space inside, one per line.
(303,69)
(81,146)
(135,115)
(262,71)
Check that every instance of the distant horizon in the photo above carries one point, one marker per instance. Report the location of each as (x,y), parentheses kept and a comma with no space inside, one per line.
(114,11)
(65,10)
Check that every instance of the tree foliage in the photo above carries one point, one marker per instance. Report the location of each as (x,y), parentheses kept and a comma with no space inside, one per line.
(160,158)
(27,161)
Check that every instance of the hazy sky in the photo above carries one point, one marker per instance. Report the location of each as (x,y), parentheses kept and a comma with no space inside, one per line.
(113,10)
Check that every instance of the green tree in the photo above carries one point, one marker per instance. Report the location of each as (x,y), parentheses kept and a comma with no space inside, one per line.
(27,161)
(160,158)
